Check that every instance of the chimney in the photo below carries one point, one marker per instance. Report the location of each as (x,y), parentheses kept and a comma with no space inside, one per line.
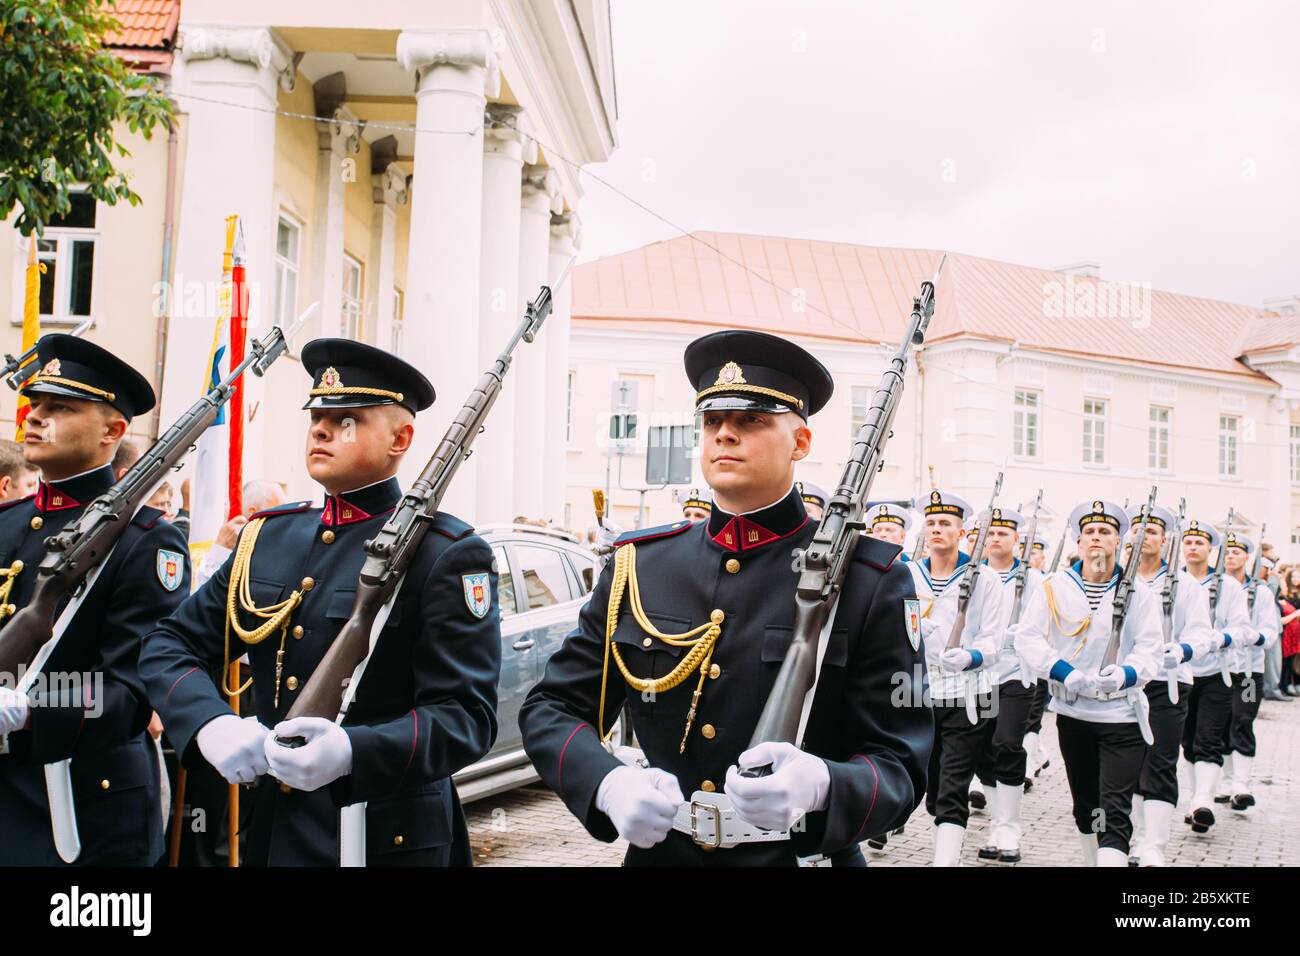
(1088,268)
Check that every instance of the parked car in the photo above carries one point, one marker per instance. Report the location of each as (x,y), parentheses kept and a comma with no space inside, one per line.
(545,578)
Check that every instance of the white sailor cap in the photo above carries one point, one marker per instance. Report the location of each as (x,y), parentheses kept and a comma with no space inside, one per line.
(941,503)
(1235,539)
(887,513)
(1097,511)
(1201,529)
(1162,518)
(997,518)
(1040,541)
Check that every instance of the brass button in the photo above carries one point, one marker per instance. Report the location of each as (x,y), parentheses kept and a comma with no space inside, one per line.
(708,786)
(297,632)
(37,522)
(103,785)
(717,616)
(732,565)
(398,840)
(16,567)
(291,683)
(647,642)
(285,788)
(308,584)
(708,731)
(714,671)
(327,536)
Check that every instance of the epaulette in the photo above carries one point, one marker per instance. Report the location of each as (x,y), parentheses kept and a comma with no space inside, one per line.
(876,552)
(450,526)
(649,534)
(147,517)
(289,508)
(14,501)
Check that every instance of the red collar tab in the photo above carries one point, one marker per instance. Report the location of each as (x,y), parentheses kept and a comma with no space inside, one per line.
(340,511)
(741,534)
(49,498)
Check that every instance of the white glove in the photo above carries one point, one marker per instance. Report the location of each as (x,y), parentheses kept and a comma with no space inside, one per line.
(325,757)
(1222,640)
(1111,679)
(955,659)
(799,783)
(607,534)
(14,710)
(234,747)
(1173,656)
(1076,682)
(641,803)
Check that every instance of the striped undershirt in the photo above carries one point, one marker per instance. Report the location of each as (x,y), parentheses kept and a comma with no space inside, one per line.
(1095,593)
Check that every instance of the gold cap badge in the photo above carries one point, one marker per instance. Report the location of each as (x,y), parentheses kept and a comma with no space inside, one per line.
(52,367)
(730,374)
(330,378)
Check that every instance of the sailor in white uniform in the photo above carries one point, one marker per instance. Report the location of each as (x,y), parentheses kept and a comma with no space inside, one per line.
(1189,635)
(1247,675)
(1209,705)
(960,690)
(1064,634)
(889,523)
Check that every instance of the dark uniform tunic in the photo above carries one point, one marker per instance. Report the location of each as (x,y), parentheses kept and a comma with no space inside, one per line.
(426,706)
(115,771)
(868,720)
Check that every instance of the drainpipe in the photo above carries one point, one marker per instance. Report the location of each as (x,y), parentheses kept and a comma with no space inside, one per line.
(169,226)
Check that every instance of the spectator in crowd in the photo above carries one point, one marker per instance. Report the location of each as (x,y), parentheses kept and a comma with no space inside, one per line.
(17,478)
(1289,606)
(182,519)
(258,496)
(1271,575)
(127,454)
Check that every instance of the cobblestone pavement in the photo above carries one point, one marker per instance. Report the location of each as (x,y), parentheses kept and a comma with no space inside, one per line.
(531,827)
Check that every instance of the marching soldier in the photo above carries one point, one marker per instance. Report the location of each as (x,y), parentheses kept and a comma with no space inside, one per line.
(81,403)
(889,523)
(1064,634)
(1038,556)
(814,499)
(689,625)
(1157,791)
(426,705)
(959,684)
(1247,675)
(1209,705)
(1001,769)
(696,507)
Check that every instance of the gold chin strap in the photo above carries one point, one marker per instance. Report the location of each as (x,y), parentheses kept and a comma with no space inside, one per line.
(701,647)
(274,615)
(1054,611)
(7,578)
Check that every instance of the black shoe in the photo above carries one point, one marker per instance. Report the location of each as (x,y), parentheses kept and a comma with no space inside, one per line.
(1046,764)
(1242,802)
(878,842)
(1134,861)
(1008,856)
(978,801)
(1223,799)
(899,831)
(1029,784)
(988,852)
(1202,820)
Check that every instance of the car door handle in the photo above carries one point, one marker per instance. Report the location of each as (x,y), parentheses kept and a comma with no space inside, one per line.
(524,644)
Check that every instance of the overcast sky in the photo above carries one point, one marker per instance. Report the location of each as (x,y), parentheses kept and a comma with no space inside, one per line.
(1161,139)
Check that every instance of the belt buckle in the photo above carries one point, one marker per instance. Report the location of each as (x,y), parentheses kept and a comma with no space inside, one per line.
(717,825)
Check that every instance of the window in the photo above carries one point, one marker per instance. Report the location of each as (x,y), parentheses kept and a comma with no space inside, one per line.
(859,403)
(351,298)
(1295,454)
(287,236)
(398,331)
(568,406)
(1229,434)
(505,584)
(1158,438)
(1024,439)
(586,568)
(1094,431)
(542,570)
(67,251)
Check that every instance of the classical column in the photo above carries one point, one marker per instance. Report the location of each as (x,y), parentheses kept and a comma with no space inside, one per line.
(566,237)
(505,148)
(456,70)
(540,196)
(225,82)
(389,185)
(336,140)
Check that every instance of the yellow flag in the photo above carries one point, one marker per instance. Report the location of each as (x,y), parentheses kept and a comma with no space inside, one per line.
(31,324)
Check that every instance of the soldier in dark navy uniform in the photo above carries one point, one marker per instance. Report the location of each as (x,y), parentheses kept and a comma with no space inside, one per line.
(81,403)
(426,706)
(689,624)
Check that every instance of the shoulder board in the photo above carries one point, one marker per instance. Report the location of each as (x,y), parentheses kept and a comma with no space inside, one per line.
(14,501)
(650,534)
(292,507)
(450,526)
(876,552)
(147,517)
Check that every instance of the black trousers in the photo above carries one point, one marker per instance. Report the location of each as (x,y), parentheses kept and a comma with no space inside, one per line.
(957,745)
(1239,736)
(1036,709)
(1102,763)
(1209,706)
(1003,758)
(1159,780)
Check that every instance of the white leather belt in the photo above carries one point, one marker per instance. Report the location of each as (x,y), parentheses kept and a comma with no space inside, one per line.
(1069,696)
(711,821)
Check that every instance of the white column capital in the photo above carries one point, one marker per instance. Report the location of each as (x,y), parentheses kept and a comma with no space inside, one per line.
(541,189)
(470,51)
(390,187)
(342,134)
(506,130)
(258,46)
(566,232)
